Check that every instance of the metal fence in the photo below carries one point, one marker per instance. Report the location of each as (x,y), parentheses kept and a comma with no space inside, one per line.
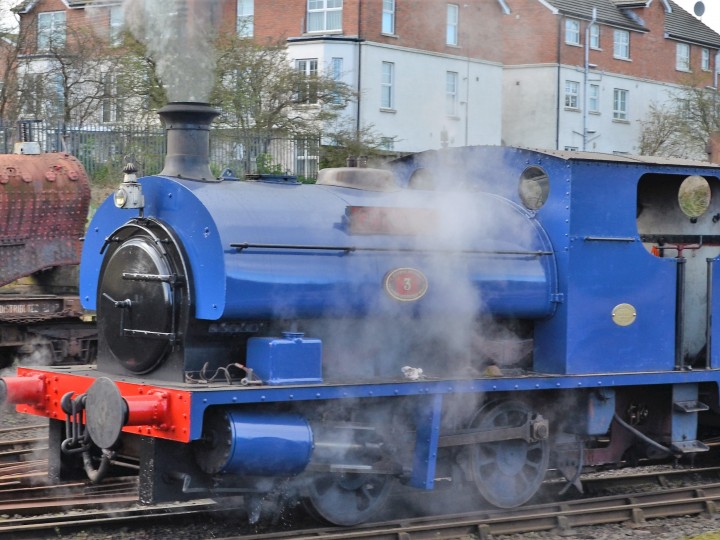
(105,150)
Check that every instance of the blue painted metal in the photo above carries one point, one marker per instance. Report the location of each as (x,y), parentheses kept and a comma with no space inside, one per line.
(206,397)
(253,434)
(427,436)
(713,341)
(685,408)
(600,411)
(284,283)
(291,359)
(591,219)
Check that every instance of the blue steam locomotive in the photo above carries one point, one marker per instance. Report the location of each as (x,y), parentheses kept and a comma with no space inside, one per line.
(479,314)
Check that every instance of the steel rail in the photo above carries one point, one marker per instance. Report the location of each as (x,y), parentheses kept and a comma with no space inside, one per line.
(561,517)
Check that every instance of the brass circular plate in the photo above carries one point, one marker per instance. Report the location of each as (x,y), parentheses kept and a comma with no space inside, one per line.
(624,314)
(406,284)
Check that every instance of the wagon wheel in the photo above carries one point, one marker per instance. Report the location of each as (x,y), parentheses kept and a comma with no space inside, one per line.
(346,499)
(507,473)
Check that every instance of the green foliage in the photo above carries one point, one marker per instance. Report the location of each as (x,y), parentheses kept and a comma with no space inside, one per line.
(216,169)
(258,88)
(346,141)
(266,165)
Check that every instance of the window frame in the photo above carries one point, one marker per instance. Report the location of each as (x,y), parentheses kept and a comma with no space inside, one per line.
(452,78)
(308,67)
(48,36)
(595,36)
(245,18)
(336,73)
(387,24)
(593,108)
(117,24)
(324,11)
(621,47)
(572,35)
(682,57)
(620,104)
(452,25)
(572,94)
(387,85)
(705,59)
(307,157)
(110,108)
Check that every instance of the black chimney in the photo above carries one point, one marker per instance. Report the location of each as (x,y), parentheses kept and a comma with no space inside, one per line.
(188,140)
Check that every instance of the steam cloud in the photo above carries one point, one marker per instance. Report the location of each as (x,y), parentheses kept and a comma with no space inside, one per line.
(178,35)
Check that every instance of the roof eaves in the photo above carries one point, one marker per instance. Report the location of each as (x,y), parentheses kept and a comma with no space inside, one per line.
(685,39)
(552,8)
(25,7)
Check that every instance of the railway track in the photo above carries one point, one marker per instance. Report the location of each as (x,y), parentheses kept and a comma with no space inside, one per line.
(561,518)
(29,505)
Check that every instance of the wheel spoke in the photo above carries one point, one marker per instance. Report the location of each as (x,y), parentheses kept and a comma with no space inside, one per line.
(347,499)
(507,473)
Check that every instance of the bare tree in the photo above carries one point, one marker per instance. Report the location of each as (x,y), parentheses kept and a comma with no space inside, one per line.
(10,46)
(139,84)
(346,140)
(259,89)
(682,126)
(69,77)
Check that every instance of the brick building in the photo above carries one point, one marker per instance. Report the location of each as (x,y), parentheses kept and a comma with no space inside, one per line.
(580,85)
(565,74)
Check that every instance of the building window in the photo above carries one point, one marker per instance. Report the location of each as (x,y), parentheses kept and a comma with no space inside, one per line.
(685,108)
(453,14)
(572,89)
(451,93)
(571,148)
(621,44)
(324,15)
(116,25)
(307,158)
(594,98)
(620,98)
(57,97)
(705,60)
(594,36)
(386,85)
(307,91)
(245,18)
(682,57)
(572,31)
(110,103)
(388,17)
(51,30)
(336,72)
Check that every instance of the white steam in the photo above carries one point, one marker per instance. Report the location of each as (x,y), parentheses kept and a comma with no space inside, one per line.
(178,35)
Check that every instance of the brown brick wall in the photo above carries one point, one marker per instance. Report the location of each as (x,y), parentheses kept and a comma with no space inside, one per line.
(419,24)
(534,35)
(531,34)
